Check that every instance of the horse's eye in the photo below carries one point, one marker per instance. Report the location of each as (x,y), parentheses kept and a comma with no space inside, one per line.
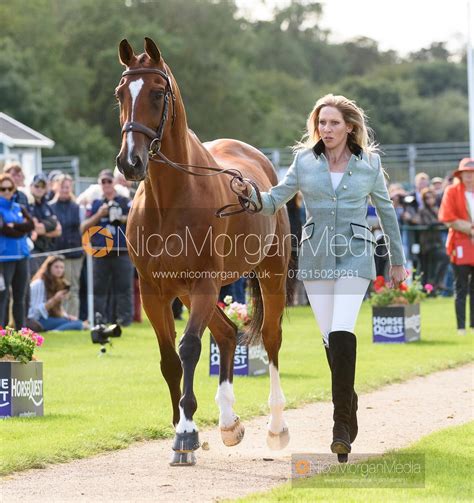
(156,95)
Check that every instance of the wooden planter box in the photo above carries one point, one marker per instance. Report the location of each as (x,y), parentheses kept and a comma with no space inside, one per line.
(248,360)
(21,389)
(392,324)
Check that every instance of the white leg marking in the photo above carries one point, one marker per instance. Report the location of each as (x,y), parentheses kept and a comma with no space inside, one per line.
(185,425)
(135,88)
(225,400)
(276,401)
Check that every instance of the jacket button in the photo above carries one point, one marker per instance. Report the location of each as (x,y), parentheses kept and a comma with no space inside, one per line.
(334,198)
(331,228)
(333,212)
(350,173)
(344,187)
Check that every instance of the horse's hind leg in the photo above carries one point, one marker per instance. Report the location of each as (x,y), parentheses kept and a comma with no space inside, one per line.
(225,335)
(274,299)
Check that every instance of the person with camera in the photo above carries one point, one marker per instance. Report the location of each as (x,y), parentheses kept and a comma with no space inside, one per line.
(113,272)
(47,226)
(337,169)
(48,290)
(15,224)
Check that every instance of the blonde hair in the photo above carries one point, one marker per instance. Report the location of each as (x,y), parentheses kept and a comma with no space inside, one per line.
(361,134)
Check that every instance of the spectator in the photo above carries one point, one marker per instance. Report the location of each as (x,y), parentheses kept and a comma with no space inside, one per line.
(53,187)
(47,226)
(94,192)
(48,290)
(15,224)
(113,272)
(434,261)
(15,170)
(457,212)
(422,181)
(69,216)
(437,185)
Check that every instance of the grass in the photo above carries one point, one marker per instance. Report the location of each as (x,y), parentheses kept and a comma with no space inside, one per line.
(96,404)
(448,455)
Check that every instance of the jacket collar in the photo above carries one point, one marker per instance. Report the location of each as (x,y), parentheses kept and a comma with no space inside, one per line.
(318,149)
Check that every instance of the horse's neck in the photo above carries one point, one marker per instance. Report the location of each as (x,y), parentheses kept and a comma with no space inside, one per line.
(167,183)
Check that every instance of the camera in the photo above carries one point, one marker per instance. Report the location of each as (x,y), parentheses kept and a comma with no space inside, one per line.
(101,332)
(115,213)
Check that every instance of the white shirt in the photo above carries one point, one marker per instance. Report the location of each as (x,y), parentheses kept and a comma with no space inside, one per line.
(336,179)
(470,203)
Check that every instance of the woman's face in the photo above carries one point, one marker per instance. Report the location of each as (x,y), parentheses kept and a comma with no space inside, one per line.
(57,269)
(332,128)
(467,177)
(430,199)
(6,189)
(65,189)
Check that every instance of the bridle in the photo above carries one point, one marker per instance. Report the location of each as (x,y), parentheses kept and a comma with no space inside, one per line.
(154,149)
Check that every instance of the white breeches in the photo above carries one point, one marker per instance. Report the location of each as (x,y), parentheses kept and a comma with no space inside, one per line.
(336,303)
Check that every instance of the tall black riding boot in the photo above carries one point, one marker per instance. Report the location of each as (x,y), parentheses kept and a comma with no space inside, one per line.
(353,425)
(342,351)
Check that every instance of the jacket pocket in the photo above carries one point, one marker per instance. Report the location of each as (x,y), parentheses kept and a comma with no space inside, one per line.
(362,232)
(307,232)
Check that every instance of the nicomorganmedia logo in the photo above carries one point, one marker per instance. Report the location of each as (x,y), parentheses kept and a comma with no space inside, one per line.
(97,252)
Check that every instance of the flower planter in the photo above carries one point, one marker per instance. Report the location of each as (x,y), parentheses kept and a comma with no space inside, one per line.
(392,324)
(21,389)
(248,360)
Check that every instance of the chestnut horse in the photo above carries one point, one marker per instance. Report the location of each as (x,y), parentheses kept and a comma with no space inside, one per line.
(181,249)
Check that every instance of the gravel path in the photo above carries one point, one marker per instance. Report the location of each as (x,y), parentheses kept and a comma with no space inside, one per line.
(391,417)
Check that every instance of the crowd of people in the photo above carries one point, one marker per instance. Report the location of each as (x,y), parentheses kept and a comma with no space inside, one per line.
(42,268)
(43,271)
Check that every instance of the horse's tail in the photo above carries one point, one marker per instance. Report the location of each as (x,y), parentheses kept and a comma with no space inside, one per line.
(291,280)
(253,331)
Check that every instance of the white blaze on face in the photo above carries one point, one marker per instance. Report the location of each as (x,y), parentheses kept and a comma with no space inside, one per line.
(135,87)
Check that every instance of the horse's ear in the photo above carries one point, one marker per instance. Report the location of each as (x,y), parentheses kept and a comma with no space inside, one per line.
(152,50)
(126,53)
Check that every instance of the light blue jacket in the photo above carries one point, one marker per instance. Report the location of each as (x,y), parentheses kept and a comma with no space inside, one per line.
(336,239)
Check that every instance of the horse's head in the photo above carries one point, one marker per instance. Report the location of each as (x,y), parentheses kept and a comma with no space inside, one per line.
(146,99)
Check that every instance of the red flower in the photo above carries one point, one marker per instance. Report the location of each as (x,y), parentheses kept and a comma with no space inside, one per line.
(379,283)
(402,287)
(221,305)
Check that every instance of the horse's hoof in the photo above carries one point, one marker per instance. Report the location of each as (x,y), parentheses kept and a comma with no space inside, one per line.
(342,458)
(186,442)
(278,441)
(233,435)
(340,446)
(183,459)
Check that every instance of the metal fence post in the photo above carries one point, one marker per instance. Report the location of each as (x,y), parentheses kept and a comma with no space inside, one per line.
(411,163)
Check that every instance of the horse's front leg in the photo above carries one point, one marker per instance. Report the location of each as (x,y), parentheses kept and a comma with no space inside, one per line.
(186,441)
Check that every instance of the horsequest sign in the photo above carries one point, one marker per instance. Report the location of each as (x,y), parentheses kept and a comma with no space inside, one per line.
(396,323)
(248,360)
(21,389)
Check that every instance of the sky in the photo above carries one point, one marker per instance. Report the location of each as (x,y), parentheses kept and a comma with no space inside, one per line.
(401,25)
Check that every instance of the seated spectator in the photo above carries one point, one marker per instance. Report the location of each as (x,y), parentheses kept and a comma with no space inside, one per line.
(15,224)
(15,170)
(69,216)
(434,260)
(48,290)
(47,226)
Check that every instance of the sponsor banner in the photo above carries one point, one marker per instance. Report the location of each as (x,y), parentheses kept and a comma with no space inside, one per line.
(21,389)
(248,360)
(392,324)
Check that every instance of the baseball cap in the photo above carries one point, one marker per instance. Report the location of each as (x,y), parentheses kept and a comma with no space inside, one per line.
(106,173)
(39,178)
(437,179)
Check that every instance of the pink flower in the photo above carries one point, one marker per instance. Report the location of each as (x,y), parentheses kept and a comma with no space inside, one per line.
(3,332)
(429,287)
(39,339)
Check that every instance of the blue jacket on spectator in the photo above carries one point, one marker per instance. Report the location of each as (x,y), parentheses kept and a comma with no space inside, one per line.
(13,248)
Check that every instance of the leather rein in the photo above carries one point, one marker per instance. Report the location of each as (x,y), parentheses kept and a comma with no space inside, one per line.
(154,151)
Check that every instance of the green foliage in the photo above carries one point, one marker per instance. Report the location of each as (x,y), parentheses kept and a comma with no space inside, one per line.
(385,295)
(19,344)
(254,81)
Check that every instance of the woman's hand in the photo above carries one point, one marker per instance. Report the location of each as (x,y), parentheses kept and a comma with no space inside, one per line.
(60,295)
(242,188)
(398,275)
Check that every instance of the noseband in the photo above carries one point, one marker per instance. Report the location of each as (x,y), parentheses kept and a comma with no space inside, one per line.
(155,136)
(245,203)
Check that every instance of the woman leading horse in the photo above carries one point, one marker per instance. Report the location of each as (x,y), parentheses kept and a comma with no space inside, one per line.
(181,249)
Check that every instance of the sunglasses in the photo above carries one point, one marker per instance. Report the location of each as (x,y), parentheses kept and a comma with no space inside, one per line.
(6,189)
(106,180)
(39,186)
